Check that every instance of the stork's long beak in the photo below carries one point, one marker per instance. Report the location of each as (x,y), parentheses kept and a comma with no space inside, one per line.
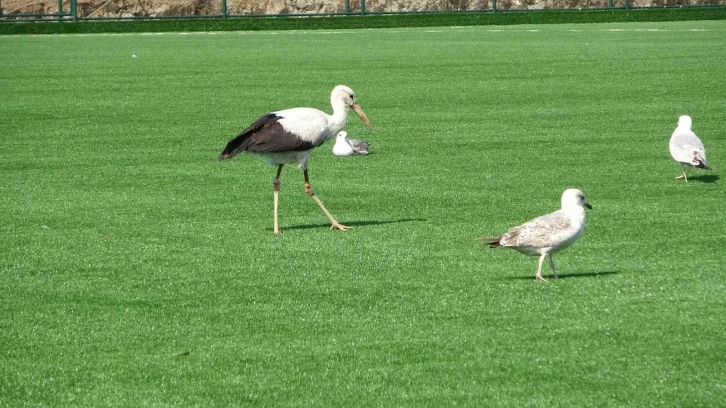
(362,115)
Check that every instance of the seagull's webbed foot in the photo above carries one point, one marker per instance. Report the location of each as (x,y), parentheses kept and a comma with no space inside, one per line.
(540,278)
(683,176)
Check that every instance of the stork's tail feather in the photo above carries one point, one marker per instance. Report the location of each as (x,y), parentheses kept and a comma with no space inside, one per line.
(494,242)
(234,146)
(240,142)
(226,156)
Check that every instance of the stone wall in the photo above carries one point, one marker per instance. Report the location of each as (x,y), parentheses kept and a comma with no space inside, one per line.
(168,8)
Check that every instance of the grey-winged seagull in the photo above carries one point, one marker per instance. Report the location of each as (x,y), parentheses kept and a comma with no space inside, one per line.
(349,147)
(686,148)
(549,233)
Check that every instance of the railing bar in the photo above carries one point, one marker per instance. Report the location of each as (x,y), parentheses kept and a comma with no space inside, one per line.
(74,16)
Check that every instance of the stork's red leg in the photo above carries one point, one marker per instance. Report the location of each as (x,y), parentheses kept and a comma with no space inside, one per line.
(309,190)
(276,193)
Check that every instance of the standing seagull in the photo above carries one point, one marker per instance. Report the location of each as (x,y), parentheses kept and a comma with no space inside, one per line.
(290,135)
(549,233)
(349,147)
(686,148)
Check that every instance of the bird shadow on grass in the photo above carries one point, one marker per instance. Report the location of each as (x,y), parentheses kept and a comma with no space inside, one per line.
(567,275)
(705,178)
(351,224)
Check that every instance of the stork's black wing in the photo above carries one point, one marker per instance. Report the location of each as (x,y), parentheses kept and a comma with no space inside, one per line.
(266,135)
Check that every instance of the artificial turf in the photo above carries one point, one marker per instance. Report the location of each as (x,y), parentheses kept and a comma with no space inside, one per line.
(137,270)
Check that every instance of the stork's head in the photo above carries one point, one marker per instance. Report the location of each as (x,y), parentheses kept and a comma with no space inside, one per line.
(685,122)
(574,198)
(342,93)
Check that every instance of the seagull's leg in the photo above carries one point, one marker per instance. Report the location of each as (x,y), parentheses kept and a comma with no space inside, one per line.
(683,175)
(538,276)
(309,191)
(276,194)
(552,265)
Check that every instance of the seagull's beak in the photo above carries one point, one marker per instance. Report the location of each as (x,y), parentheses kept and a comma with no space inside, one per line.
(586,204)
(362,114)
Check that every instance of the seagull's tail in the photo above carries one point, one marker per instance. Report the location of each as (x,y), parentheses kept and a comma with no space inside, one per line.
(699,161)
(494,242)
(703,165)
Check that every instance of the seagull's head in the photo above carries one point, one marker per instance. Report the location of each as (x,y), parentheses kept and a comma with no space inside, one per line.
(341,135)
(685,122)
(342,93)
(574,198)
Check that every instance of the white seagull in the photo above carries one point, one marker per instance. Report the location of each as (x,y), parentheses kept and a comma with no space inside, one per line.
(290,135)
(349,147)
(549,233)
(686,148)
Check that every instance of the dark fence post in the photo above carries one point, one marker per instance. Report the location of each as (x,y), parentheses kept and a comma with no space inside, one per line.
(347,6)
(494,5)
(224,8)
(60,10)
(74,10)
(362,6)
(610,3)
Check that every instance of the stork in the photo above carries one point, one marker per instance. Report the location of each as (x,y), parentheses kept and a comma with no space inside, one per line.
(290,135)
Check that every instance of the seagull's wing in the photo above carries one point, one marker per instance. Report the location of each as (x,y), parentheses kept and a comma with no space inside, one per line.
(357,147)
(686,147)
(542,232)
(359,144)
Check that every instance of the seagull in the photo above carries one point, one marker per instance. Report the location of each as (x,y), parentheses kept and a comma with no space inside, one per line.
(686,148)
(290,135)
(549,233)
(349,147)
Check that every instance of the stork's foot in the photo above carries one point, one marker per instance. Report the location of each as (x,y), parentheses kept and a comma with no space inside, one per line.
(339,226)
(540,278)
(309,190)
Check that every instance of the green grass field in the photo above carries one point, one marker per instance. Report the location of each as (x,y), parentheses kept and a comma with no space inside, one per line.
(137,270)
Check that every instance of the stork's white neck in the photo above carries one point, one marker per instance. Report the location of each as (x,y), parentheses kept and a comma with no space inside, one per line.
(337,121)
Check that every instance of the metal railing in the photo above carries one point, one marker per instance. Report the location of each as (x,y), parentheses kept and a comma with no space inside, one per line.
(73,10)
